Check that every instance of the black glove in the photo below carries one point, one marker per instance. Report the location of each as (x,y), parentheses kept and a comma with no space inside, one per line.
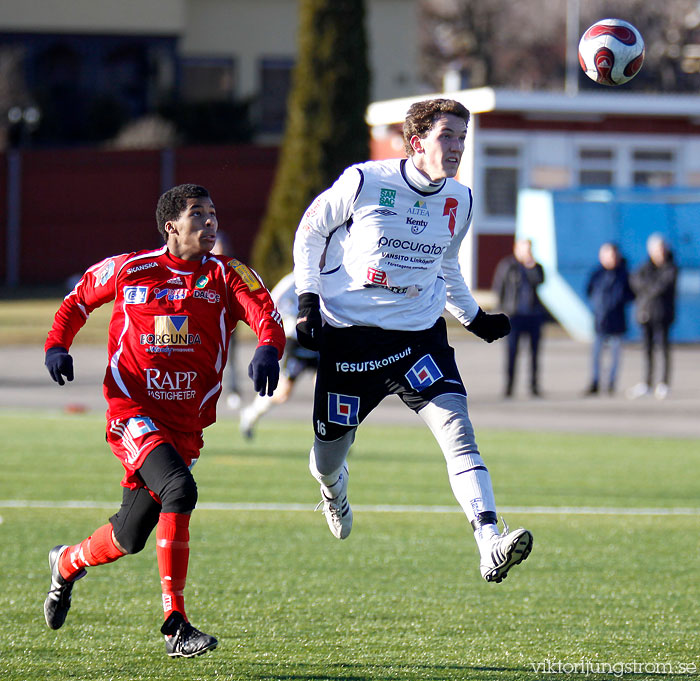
(264,369)
(489,327)
(60,364)
(309,321)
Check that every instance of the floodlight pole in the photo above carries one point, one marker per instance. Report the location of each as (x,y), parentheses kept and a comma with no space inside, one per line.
(572,39)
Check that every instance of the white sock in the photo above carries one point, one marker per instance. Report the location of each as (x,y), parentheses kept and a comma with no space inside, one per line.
(330,456)
(328,481)
(448,419)
(484,536)
(332,491)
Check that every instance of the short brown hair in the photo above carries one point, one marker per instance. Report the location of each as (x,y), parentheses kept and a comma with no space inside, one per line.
(422,115)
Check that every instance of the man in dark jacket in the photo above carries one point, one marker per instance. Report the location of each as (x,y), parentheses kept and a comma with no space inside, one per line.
(654,285)
(515,282)
(609,291)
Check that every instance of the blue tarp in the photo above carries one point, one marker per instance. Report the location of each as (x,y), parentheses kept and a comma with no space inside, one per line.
(567,228)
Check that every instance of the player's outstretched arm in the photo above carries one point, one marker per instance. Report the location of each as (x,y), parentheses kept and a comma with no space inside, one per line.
(96,287)
(256,307)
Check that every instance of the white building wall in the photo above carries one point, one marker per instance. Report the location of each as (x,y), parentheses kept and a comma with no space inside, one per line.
(245,30)
(268,28)
(392,31)
(160,17)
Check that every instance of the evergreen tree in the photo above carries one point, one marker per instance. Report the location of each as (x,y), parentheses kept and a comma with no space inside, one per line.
(325,128)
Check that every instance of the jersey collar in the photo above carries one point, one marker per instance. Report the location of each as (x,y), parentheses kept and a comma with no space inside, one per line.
(418,182)
(180,266)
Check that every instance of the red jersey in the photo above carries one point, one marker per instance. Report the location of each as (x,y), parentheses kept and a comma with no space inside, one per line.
(169,331)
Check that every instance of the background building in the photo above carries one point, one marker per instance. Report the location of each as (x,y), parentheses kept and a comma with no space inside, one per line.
(91,66)
(105,99)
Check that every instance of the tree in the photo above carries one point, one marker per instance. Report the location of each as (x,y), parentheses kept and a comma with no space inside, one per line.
(495,43)
(325,129)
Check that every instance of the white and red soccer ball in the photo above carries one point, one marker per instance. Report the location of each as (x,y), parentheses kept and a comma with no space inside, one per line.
(611,52)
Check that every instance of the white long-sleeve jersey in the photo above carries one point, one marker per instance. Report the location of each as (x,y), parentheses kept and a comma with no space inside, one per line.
(380,251)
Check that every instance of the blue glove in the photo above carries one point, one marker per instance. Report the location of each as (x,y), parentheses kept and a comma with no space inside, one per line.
(264,369)
(60,364)
(309,321)
(489,327)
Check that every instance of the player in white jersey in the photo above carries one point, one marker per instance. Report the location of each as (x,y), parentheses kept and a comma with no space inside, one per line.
(375,264)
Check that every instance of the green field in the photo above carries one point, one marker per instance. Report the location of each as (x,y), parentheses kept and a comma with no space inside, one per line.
(402,598)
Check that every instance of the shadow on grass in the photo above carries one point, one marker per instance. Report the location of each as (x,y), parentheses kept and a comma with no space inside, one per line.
(388,672)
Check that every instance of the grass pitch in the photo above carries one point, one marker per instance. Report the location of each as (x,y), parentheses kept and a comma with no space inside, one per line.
(602,596)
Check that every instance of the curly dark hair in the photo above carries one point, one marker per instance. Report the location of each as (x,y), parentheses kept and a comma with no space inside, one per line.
(421,117)
(173,202)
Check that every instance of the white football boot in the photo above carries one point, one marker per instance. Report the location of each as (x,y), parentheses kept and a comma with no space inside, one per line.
(508,549)
(336,506)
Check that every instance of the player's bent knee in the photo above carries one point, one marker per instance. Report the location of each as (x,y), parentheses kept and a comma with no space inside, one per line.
(179,494)
(165,473)
(451,402)
(130,539)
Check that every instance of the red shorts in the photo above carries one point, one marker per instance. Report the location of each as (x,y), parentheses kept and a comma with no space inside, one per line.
(132,439)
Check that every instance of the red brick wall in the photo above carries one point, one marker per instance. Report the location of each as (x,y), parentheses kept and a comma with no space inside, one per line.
(491,248)
(239,180)
(79,206)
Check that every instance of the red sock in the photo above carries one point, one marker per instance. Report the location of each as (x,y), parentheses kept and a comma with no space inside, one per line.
(173,553)
(97,549)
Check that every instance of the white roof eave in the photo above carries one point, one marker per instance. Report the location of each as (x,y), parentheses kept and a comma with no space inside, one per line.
(559,104)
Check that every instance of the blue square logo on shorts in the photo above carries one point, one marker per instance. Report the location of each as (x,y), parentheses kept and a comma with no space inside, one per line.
(343,409)
(423,373)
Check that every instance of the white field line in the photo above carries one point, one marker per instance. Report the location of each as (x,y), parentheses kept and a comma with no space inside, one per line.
(533,510)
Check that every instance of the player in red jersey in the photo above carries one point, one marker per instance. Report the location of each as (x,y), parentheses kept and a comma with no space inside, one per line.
(174,310)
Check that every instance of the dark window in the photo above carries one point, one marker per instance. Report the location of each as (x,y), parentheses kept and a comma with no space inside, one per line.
(595,178)
(501,189)
(207,79)
(653,167)
(275,83)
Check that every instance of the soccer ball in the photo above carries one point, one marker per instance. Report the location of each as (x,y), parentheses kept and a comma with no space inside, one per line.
(611,52)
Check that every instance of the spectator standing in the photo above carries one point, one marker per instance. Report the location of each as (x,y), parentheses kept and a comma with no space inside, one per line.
(609,292)
(516,281)
(654,285)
